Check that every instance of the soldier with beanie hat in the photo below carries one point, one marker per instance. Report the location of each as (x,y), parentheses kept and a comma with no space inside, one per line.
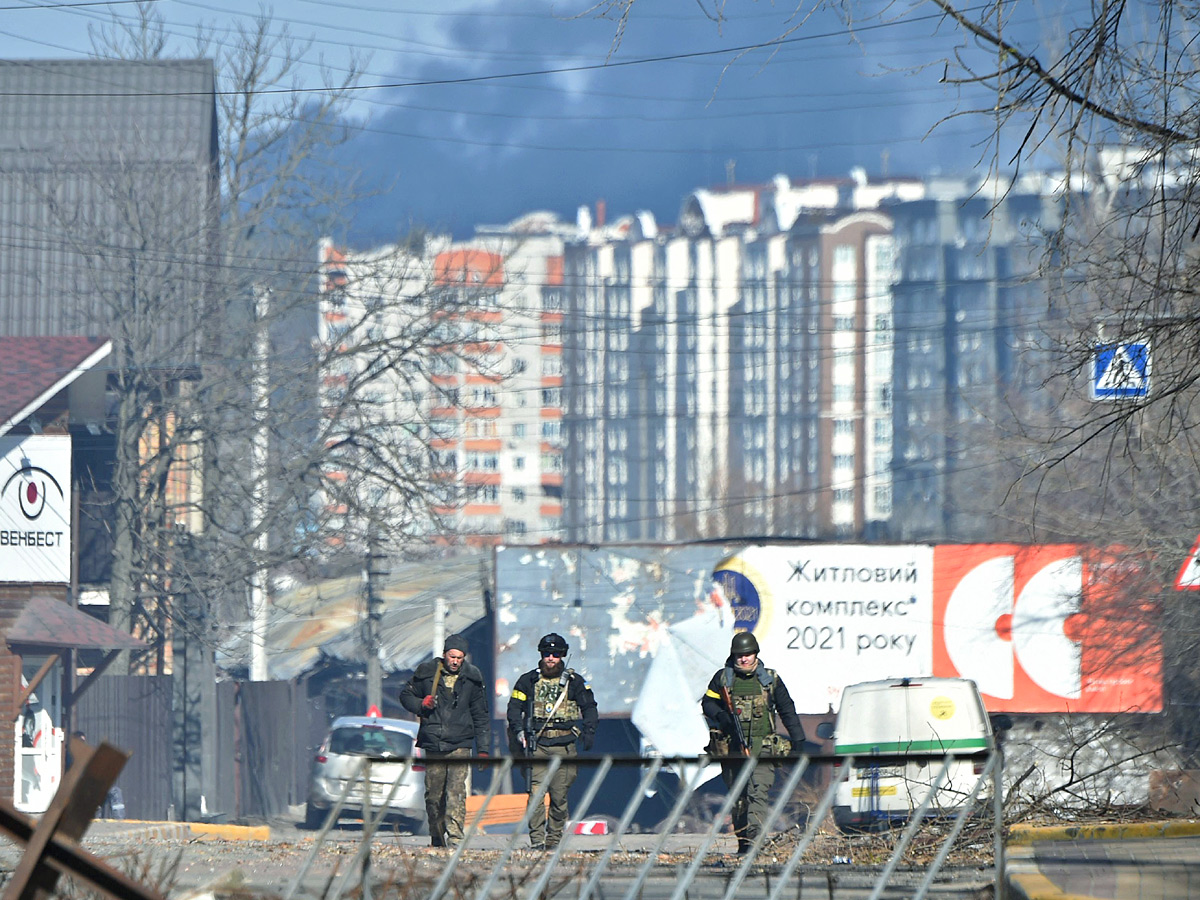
(448,696)
(741,704)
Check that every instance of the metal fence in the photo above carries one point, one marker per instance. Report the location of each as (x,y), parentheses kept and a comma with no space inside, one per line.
(133,712)
(597,873)
(263,735)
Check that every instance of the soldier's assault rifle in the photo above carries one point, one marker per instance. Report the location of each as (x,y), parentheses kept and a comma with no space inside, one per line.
(528,742)
(737,722)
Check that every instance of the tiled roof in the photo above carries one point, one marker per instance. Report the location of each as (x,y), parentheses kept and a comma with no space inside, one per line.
(46,622)
(39,367)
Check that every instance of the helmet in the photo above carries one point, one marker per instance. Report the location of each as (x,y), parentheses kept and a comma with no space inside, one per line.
(553,643)
(743,642)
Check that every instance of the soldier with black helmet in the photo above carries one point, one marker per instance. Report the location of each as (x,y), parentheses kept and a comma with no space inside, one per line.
(740,705)
(550,710)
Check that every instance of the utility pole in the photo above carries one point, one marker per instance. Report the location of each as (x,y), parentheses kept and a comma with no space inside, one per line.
(371,636)
(259,450)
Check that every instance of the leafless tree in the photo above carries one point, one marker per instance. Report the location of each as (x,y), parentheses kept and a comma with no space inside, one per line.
(223,472)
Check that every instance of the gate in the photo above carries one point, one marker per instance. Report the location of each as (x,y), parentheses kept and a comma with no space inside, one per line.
(133,712)
(270,729)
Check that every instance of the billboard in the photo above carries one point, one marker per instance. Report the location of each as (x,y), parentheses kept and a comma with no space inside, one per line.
(1047,628)
(35,509)
(828,615)
(1040,628)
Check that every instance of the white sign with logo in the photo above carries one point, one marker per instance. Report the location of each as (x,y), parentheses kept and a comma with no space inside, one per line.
(35,509)
(828,615)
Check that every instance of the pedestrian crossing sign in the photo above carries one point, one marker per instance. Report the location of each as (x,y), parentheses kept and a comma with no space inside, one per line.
(1120,371)
(1189,573)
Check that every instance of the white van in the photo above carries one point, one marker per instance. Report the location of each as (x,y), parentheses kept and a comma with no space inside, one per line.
(896,717)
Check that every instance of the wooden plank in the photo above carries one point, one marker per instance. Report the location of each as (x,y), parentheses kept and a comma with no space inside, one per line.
(70,813)
(68,858)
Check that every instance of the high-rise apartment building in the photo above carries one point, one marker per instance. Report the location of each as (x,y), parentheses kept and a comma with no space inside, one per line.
(725,377)
(966,305)
(467,340)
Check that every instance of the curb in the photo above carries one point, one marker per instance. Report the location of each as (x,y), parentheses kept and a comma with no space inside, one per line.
(1030,883)
(1026,880)
(184,830)
(1024,835)
(231,832)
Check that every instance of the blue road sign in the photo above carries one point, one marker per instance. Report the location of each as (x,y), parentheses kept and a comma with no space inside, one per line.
(1120,371)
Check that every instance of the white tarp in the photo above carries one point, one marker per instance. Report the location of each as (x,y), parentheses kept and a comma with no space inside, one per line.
(667,711)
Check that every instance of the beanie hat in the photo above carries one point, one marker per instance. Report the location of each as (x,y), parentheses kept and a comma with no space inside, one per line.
(455,642)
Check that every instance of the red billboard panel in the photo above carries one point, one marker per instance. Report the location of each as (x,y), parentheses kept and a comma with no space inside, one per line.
(1047,628)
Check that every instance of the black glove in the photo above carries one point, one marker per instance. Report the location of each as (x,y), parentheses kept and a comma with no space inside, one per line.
(586,740)
(726,724)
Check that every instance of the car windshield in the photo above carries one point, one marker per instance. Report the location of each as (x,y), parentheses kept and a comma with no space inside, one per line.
(370,741)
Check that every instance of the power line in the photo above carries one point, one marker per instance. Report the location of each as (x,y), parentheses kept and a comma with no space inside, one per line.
(554,70)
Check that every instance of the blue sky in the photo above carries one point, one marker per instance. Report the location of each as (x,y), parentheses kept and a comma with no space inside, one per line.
(476,112)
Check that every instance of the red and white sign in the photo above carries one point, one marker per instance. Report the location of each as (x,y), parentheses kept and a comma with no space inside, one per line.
(1047,628)
(591,826)
(1040,628)
(1189,573)
(35,509)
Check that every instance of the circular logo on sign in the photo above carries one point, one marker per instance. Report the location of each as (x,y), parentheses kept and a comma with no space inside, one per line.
(30,485)
(941,708)
(744,590)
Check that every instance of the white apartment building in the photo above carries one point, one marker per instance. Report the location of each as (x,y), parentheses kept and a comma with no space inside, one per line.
(467,340)
(726,376)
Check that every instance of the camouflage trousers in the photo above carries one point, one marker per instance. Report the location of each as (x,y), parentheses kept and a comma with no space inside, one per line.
(446,796)
(547,830)
(751,808)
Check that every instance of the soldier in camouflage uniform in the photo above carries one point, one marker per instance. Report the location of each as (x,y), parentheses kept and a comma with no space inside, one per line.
(550,710)
(449,698)
(757,694)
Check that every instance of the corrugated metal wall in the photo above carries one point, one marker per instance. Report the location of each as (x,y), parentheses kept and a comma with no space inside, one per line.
(133,712)
(266,733)
(274,723)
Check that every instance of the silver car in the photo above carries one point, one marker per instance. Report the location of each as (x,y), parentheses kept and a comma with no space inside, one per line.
(387,744)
